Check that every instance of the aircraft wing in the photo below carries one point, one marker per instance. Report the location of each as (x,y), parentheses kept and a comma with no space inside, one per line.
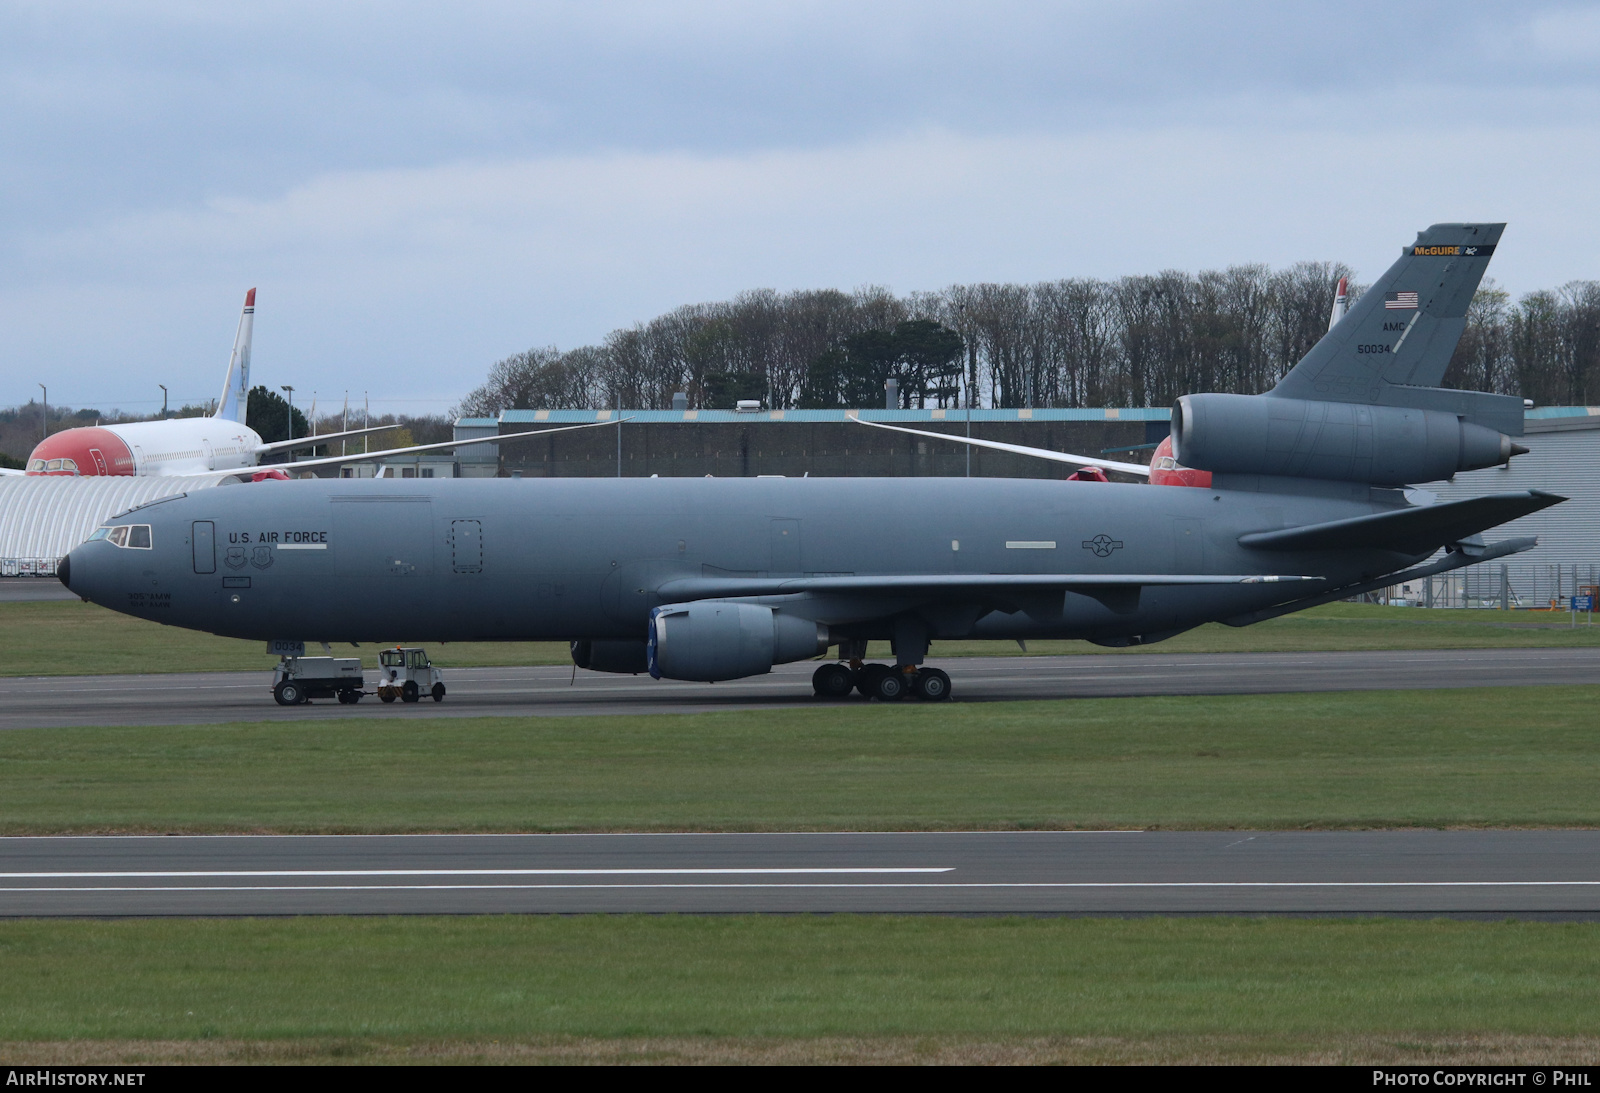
(1415,530)
(1140,469)
(8,470)
(335,460)
(313,441)
(945,585)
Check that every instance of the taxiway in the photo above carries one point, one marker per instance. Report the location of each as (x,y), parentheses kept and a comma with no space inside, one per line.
(220,697)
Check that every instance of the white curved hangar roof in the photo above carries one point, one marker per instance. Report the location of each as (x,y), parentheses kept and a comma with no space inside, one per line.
(42,518)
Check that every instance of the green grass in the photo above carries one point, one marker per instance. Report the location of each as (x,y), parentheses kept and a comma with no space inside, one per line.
(75,638)
(66,638)
(1227,988)
(1514,756)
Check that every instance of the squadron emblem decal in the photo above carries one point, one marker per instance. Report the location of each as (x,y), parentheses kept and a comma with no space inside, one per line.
(261,557)
(234,559)
(1102,545)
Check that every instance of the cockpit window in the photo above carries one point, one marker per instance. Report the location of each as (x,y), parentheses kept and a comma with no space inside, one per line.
(132,536)
(37,465)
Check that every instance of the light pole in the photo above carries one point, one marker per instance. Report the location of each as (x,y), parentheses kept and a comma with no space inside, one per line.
(290,389)
(163,400)
(44,413)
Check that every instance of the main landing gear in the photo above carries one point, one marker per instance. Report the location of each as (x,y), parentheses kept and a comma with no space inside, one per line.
(886,682)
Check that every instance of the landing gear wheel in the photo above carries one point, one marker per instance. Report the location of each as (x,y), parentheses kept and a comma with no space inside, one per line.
(932,685)
(867,679)
(438,692)
(833,681)
(890,685)
(408,693)
(289,693)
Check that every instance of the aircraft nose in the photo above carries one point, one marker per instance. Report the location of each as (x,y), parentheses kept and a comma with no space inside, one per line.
(87,576)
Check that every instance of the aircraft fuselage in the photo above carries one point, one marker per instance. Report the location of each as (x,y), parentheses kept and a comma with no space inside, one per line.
(562,559)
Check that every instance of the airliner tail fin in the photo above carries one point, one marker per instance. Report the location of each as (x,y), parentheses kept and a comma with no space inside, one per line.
(236,388)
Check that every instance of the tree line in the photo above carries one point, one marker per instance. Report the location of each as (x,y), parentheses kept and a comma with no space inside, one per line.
(1134,341)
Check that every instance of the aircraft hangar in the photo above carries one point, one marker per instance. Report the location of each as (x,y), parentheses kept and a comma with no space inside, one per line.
(42,518)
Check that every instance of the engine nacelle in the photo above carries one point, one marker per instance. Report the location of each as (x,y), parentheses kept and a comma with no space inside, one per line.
(713,640)
(622,657)
(1349,442)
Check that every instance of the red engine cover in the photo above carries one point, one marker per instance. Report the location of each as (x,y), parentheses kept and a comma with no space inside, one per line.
(87,451)
(1167,471)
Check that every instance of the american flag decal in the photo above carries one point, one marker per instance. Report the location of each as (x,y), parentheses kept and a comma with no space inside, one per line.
(1400,300)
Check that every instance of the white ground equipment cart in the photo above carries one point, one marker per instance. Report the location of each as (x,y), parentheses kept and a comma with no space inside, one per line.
(407,674)
(297,679)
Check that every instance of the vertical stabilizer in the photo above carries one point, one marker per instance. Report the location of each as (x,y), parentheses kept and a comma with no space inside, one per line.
(236,388)
(1341,302)
(1403,329)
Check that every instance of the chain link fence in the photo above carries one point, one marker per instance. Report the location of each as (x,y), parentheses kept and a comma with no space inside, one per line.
(1506,585)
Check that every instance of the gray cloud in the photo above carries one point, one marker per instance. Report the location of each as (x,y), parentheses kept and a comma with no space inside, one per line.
(431,187)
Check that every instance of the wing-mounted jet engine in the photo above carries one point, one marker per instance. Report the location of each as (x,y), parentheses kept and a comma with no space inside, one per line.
(715,640)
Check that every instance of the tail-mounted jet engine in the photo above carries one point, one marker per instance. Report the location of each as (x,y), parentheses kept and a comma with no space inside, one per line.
(713,640)
(1350,442)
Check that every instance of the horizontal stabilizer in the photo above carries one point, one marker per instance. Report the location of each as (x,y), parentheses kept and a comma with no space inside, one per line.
(943,584)
(1416,530)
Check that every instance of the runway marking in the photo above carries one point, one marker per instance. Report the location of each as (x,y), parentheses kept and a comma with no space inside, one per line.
(177,873)
(817,885)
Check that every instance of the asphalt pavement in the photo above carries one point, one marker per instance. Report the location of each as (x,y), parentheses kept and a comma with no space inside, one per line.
(220,697)
(1468,873)
(32,590)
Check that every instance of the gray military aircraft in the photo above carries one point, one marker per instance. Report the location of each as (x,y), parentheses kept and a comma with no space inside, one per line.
(715,579)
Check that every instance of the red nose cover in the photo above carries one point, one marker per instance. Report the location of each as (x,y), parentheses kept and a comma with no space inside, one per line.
(1167,471)
(88,451)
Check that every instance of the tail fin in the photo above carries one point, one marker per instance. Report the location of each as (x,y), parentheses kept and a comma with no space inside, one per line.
(1341,302)
(236,388)
(1395,344)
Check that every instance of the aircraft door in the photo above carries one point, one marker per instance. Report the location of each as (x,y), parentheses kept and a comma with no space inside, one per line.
(204,539)
(785,546)
(99,460)
(466,546)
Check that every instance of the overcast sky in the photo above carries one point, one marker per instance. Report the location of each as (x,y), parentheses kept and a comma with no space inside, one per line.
(421,189)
